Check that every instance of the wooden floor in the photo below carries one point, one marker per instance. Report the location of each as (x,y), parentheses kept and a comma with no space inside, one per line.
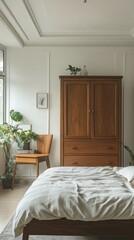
(10,198)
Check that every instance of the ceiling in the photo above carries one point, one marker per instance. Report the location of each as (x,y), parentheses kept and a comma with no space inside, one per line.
(66,22)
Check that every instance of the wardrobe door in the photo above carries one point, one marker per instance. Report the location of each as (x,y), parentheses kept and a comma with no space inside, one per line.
(76,109)
(105,109)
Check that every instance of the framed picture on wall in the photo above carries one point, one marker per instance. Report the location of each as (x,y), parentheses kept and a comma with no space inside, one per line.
(42,100)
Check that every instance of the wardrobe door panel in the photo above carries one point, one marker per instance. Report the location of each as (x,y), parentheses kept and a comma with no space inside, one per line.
(105,113)
(76,104)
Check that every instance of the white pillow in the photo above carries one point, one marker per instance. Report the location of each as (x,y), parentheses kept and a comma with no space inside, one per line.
(127,172)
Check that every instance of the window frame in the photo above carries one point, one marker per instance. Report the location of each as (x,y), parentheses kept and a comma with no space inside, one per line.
(3,76)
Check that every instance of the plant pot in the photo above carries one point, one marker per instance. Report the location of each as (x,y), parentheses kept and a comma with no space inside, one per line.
(7,183)
(74,73)
(26,146)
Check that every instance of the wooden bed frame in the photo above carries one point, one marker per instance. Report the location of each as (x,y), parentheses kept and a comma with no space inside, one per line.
(79,228)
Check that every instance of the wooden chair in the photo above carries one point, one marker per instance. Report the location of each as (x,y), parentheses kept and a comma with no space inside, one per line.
(43,150)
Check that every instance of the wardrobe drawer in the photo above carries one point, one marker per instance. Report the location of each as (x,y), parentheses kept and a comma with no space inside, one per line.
(91,161)
(91,147)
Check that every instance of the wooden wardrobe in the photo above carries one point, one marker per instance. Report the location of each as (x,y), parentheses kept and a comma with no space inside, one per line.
(90,120)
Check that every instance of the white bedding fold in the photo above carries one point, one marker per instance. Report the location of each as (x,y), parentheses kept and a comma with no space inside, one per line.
(77,193)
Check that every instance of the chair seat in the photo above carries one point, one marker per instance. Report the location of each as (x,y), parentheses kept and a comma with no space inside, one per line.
(30,158)
(32,155)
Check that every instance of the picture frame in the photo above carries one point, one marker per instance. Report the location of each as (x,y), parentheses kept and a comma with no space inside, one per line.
(25,127)
(41,100)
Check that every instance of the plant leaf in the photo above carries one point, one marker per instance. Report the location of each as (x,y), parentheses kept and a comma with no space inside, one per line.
(131,154)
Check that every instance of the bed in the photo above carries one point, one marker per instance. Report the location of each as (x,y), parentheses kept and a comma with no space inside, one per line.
(80,201)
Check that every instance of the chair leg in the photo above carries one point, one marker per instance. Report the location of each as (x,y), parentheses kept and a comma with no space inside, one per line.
(15,166)
(48,162)
(37,168)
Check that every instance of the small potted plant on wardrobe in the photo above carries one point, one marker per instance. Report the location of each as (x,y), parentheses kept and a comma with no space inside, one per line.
(73,70)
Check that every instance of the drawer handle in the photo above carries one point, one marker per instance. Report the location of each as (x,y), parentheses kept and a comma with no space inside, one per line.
(73,162)
(75,148)
(110,148)
(110,163)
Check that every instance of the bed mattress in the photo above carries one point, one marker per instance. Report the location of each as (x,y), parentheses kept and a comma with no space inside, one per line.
(76,193)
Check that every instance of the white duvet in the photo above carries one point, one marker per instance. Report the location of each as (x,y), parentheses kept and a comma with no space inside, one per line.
(77,193)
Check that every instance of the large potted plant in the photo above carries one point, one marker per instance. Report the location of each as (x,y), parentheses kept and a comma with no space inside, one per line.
(10,134)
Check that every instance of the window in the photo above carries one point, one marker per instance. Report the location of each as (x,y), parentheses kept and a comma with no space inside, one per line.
(1,60)
(2,85)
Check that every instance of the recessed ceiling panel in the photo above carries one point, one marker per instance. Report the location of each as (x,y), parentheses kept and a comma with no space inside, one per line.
(76,16)
(38,22)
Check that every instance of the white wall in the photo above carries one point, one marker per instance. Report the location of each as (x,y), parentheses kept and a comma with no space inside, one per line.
(32,70)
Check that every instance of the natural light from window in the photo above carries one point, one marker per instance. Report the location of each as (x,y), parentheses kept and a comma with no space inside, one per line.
(1,101)
(2,85)
(1,60)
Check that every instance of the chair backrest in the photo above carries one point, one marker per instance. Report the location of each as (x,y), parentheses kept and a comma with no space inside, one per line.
(44,142)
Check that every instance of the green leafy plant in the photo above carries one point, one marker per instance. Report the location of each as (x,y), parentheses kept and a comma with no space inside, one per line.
(10,134)
(73,70)
(26,137)
(131,154)
(9,170)
(15,116)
